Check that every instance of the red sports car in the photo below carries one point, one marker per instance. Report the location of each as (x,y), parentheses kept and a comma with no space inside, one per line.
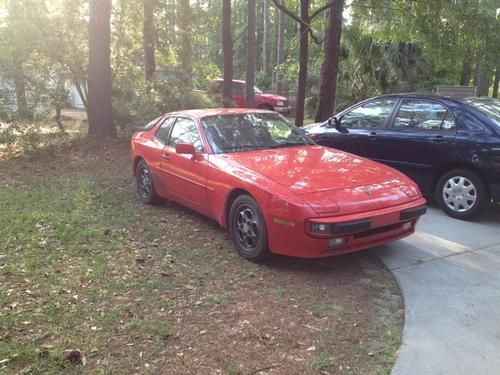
(275,189)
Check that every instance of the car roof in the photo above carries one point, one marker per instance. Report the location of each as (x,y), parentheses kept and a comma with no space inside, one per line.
(218,112)
(234,80)
(420,96)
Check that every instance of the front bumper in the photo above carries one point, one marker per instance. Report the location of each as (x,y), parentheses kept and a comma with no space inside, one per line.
(357,231)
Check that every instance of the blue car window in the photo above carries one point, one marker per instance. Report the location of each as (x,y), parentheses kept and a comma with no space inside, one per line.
(448,122)
(369,115)
(423,115)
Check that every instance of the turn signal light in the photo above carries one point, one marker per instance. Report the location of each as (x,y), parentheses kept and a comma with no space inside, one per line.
(336,242)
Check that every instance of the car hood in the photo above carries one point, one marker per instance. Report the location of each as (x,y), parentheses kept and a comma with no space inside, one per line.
(330,180)
(273,97)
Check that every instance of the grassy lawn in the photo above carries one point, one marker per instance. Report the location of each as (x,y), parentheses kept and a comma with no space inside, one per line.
(138,289)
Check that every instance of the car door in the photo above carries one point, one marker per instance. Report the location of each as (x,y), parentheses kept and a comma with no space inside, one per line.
(154,156)
(186,175)
(239,94)
(419,140)
(364,124)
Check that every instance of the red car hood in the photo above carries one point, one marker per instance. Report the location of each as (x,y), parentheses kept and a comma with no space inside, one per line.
(330,180)
(273,97)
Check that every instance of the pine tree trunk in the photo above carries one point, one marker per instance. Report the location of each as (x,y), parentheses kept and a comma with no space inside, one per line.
(21,102)
(149,40)
(280,50)
(227,51)
(303,59)
(329,70)
(495,83)
(99,97)
(466,72)
(186,51)
(250,77)
(483,77)
(265,39)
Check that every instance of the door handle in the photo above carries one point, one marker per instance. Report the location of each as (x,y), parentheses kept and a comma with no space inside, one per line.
(372,136)
(166,156)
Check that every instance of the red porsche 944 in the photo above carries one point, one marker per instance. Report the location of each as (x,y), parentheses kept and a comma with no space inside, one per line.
(273,187)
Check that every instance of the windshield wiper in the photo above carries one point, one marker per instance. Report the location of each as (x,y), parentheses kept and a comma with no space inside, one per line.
(242,147)
(287,144)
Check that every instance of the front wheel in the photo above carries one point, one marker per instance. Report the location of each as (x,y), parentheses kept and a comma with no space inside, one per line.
(144,182)
(248,228)
(461,194)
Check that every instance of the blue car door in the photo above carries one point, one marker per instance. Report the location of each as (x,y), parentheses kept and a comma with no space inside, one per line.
(364,124)
(420,139)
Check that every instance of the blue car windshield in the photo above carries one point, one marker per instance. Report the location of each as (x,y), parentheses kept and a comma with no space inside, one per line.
(488,106)
(239,132)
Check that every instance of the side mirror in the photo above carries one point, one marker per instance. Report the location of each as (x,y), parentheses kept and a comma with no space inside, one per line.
(335,122)
(185,148)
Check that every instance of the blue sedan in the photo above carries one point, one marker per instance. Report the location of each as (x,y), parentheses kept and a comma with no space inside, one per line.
(450,148)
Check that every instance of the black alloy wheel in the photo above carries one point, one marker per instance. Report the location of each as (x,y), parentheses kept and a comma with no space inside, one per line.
(144,182)
(248,228)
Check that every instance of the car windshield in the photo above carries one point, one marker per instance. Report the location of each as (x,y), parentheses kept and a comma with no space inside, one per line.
(251,131)
(257,90)
(488,106)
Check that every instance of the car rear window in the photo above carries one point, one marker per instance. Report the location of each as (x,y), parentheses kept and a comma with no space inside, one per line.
(489,107)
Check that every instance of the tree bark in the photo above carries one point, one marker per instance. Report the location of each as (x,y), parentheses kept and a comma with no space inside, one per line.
(280,50)
(496,82)
(250,77)
(265,39)
(227,51)
(328,86)
(99,96)
(466,72)
(303,60)
(186,51)
(21,102)
(149,40)
(482,79)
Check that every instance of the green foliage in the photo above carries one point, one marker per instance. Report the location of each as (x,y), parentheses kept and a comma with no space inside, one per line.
(26,136)
(387,46)
(136,102)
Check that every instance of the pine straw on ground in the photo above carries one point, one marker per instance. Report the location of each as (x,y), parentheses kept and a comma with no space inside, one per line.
(84,266)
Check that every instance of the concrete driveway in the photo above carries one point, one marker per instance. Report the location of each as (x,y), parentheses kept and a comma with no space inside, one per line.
(449,272)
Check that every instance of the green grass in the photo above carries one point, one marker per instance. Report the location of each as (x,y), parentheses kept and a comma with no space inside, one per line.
(62,237)
(132,286)
(322,361)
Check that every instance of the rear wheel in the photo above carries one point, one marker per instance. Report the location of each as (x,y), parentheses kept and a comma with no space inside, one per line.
(144,182)
(248,228)
(461,194)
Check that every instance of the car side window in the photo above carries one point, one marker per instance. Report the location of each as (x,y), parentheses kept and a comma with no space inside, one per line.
(448,122)
(185,131)
(161,134)
(238,89)
(373,114)
(423,115)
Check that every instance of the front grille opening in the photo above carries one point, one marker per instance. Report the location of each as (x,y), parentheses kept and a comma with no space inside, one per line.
(372,232)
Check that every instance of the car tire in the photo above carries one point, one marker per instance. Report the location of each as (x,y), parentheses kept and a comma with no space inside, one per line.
(248,228)
(461,194)
(144,182)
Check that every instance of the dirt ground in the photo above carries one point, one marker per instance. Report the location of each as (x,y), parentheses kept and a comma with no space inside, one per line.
(140,289)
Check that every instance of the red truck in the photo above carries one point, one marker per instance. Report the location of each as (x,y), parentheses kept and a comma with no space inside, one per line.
(272,102)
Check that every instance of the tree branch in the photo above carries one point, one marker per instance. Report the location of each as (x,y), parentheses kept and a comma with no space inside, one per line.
(303,22)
